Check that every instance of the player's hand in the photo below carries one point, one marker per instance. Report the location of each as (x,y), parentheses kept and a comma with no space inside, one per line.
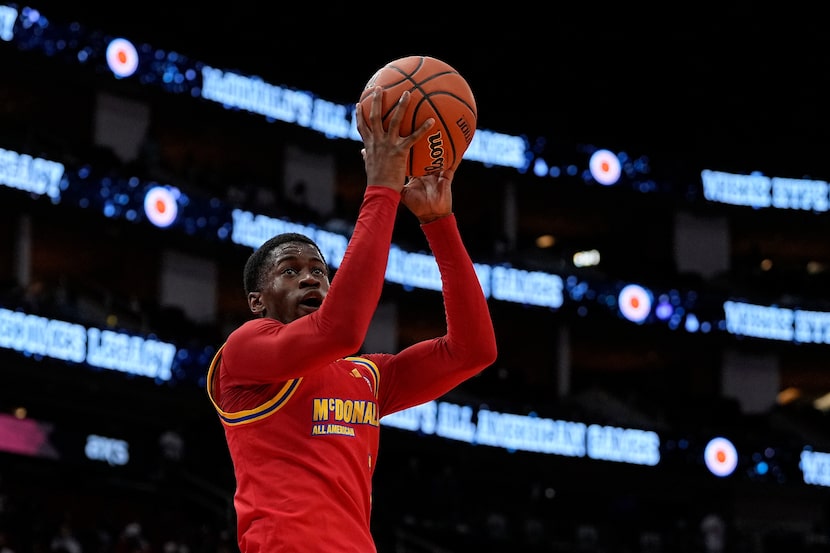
(385,151)
(429,197)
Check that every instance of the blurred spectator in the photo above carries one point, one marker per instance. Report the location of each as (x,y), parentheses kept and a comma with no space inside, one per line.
(132,539)
(65,541)
(713,530)
(172,446)
(587,538)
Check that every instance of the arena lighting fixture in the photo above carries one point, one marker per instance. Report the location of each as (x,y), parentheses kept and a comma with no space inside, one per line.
(160,206)
(788,395)
(587,258)
(815,267)
(822,403)
(122,57)
(545,241)
(720,457)
(605,167)
(635,302)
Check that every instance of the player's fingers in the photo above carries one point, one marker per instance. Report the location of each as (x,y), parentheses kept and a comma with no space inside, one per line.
(397,113)
(376,110)
(418,133)
(360,120)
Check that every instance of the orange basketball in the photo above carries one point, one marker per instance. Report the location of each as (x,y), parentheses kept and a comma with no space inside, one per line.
(438,91)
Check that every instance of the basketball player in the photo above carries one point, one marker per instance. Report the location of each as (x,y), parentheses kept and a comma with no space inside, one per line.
(300,412)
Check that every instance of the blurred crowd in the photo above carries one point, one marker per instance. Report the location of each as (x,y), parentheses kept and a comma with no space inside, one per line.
(47,510)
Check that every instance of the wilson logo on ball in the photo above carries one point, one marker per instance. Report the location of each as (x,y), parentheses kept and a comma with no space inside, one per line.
(436,152)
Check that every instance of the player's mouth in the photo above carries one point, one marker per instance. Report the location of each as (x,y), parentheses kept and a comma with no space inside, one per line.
(311,303)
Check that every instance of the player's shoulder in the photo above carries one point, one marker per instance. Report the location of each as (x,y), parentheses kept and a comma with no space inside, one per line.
(254,326)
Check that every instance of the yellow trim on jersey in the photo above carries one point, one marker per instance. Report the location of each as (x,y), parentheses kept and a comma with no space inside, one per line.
(373,369)
(249,415)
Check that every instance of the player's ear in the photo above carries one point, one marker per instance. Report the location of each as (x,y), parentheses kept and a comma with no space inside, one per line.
(255,302)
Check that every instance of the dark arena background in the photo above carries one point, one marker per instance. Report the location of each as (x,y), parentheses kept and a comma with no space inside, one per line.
(646,202)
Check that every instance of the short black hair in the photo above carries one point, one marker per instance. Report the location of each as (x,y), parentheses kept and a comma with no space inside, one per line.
(257,262)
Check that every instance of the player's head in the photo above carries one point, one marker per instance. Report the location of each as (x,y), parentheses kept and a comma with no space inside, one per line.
(286,277)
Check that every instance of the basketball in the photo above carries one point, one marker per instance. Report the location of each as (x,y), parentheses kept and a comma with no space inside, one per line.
(438,91)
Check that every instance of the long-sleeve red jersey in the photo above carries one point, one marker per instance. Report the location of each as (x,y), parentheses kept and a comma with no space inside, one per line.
(302,416)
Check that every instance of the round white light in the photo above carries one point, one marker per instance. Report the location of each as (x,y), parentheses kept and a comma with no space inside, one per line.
(605,167)
(720,457)
(634,302)
(160,206)
(122,57)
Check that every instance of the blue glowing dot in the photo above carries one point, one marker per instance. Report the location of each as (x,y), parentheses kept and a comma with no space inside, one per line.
(31,14)
(762,468)
(664,309)
(540,168)
(692,324)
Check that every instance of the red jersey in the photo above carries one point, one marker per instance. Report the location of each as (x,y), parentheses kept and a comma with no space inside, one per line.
(302,416)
